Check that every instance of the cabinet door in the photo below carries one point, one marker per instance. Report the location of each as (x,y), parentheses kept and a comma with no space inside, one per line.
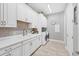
(35,43)
(21,11)
(10,14)
(17,51)
(7,54)
(27,49)
(1,14)
(5,14)
(39,39)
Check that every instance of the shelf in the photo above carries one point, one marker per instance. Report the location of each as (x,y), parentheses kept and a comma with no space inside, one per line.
(23,21)
(23,24)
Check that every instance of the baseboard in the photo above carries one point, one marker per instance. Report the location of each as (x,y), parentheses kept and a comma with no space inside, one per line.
(35,50)
(70,54)
(45,43)
(56,40)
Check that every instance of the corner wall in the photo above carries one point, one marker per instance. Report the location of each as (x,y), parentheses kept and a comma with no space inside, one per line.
(57,18)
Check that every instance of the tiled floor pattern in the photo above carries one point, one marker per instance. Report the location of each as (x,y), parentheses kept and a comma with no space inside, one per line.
(52,48)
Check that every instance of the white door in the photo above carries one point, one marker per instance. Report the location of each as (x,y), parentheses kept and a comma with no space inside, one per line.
(70,28)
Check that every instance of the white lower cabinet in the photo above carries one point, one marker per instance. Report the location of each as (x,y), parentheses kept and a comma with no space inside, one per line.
(31,46)
(27,48)
(24,48)
(5,51)
(17,51)
(7,54)
(35,43)
(38,41)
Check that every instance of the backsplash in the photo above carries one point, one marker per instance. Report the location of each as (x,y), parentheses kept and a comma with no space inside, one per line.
(10,31)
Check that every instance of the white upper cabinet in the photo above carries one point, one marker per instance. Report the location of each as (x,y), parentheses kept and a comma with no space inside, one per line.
(8,14)
(26,13)
(42,20)
(1,14)
(20,12)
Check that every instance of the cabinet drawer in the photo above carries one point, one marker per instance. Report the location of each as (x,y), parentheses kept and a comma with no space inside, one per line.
(27,49)
(5,50)
(6,54)
(17,51)
(8,49)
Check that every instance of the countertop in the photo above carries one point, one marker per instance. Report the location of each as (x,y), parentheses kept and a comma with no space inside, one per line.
(11,40)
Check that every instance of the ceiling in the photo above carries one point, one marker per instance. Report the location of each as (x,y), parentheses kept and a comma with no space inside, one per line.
(48,8)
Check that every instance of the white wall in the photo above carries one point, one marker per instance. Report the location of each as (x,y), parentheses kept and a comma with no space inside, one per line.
(58,18)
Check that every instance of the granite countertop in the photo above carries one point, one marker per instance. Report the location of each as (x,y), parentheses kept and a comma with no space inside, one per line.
(10,40)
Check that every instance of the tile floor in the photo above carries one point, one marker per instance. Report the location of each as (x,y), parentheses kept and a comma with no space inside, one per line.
(52,48)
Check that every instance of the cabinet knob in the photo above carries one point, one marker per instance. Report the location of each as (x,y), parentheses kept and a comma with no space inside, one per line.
(4,22)
(1,23)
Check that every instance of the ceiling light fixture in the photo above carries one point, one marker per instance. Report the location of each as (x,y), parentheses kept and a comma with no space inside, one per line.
(49,8)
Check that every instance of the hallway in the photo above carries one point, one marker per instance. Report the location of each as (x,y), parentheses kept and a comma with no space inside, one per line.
(52,48)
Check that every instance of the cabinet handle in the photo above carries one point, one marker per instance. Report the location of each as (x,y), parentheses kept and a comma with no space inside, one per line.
(1,22)
(4,22)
